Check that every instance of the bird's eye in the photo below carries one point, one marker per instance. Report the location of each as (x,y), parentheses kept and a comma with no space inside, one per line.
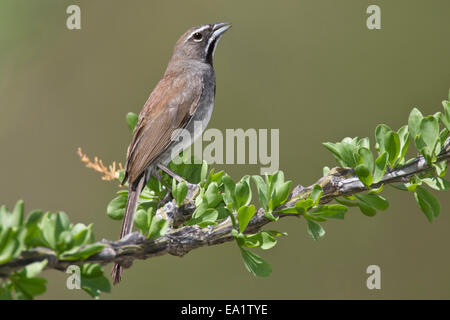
(197,36)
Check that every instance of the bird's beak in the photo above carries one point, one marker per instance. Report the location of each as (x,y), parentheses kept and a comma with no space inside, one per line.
(220,28)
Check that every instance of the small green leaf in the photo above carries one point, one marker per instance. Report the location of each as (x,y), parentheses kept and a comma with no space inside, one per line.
(373,200)
(262,189)
(132,120)
(181,193)
(264,240)
(65,240)
(346,202)
(142,220)
(243,193)
(429,132)
(445,117)
(82,253)
(392,146)
(335,211)
(282,193)
(364,174)
(230,189)
(304,204)
(204,171)
(28,288)
(212,195)
(116,208)
(381,131)
(367,157)
(437,183)
(33,269)
(428,203)
(415,117)
(93,281)
(380,167)
(255,264)
(315,230)
(316,193)
(245,214)
(17,217)
(158,227)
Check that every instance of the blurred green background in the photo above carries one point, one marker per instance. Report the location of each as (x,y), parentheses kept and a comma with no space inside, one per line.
(310,68)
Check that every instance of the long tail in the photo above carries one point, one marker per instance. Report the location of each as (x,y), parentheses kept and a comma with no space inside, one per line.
(134,191)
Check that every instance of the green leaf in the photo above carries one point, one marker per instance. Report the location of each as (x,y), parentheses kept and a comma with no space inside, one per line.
(82,234)
(380,167)
(376,190)
(229,195)
(315,230)
(204,217)
(367,157)
(62,224)
(428,203)
(437,183)
(335,211)
(17,217)
(316,193)
(158,227)
(243,192)
(305,204)
(445,117)
(366,208)
(415,117)
(65,240)
(364,175)
(429,135)
(132,120)
(28,288)
(33,269)
(264,240)
(282,193)
(142,220)
(392,146)
(93,281)
(346,202)
(262,189)
(116,208)
(11,243)
(381,131)
(48,227)
(441,168)
(181,193)
(5,290)
(373,200)
(345,152)
(204,171)
(403,135)
(212,195)
(82,253)
(245,214)
(255,264)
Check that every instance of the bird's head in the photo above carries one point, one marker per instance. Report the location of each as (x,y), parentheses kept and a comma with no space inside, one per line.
(199,43)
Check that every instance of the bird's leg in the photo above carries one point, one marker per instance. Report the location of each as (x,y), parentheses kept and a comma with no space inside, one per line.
(171,173)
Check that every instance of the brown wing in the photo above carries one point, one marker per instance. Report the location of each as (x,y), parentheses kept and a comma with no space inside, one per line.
(168,108)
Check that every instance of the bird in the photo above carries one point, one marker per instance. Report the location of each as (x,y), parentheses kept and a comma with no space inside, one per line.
(184,96)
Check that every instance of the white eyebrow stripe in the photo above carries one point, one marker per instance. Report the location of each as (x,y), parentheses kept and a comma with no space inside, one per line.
(197,30)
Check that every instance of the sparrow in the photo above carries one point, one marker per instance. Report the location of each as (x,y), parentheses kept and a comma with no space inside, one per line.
(184,95)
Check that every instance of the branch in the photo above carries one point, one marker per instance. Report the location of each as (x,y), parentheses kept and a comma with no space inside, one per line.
(179,240)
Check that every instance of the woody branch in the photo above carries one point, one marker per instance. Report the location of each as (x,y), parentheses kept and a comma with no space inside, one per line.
(179,240)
